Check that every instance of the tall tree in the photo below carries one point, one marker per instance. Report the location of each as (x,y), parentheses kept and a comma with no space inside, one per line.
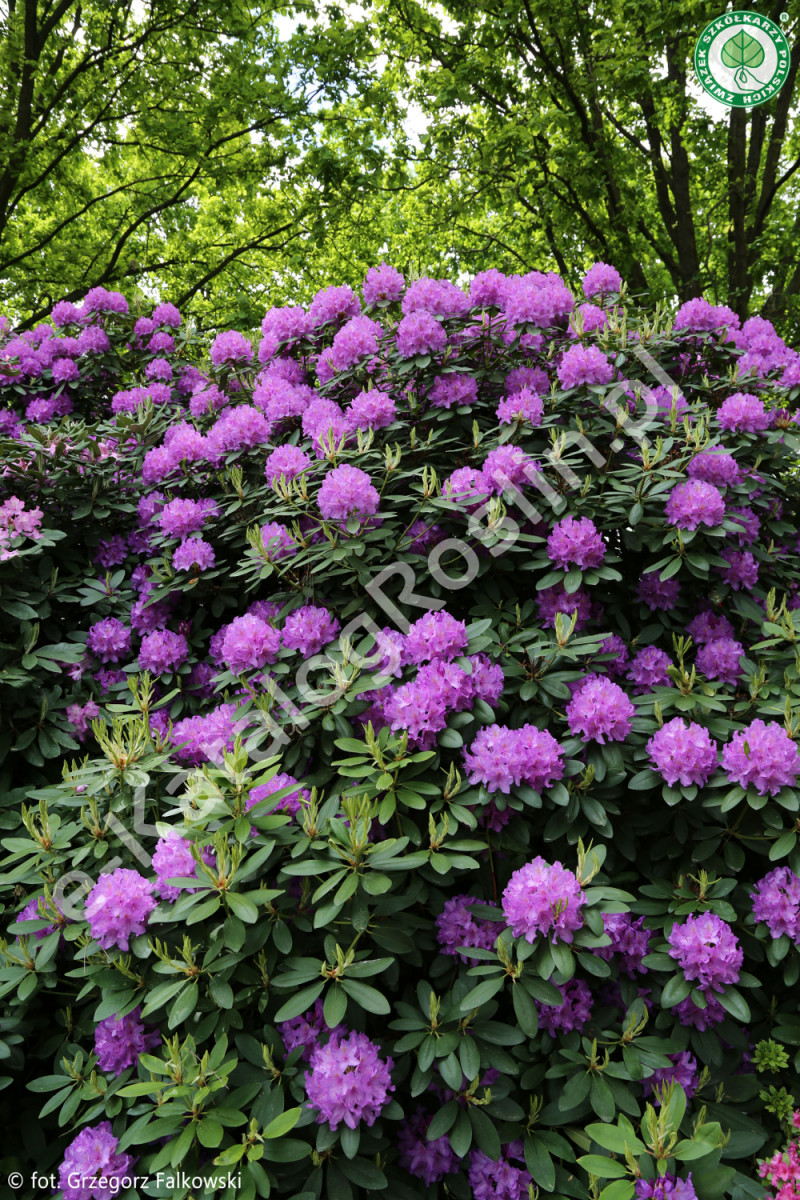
(577,131)
(178,145)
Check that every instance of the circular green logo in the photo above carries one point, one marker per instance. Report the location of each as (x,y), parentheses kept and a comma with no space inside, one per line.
(742,59)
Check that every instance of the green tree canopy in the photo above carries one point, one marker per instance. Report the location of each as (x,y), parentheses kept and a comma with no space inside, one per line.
(577,131)
(182,145)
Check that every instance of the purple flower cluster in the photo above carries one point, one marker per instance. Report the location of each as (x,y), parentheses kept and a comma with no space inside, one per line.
(118,1042)
(426,1160)
(109,640)
(743,413)
(290,803)
(762,756)
(420,707)
(573,1012)
(576,541)
(501,1180)
(348,1082)
(382,285)
(683,1072)
(249,643)
(347,492)
(600,280)
(719,659)
(541,898)
(501,758)
(193,554)
(660,595)
(370,410)
(741,572)
(308,629)
(707,950)
(695,503)
(648,669)
(665,1187)
(683,752)
(435,635)
(309,1031)
(523,405)
(715,466)
(172,859)
(600,710)
(163,651)
(582,366)
(630,942)
(776,902)
(118,907)
(92,1168)
(420,334)
(456,926)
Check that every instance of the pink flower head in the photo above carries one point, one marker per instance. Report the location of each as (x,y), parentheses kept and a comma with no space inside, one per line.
(348,1082)
(601,279)
(118,1042)
(249,643)
(695,503)
(776,902)
(173,859)
(684,752)
(599,711)
(309,628)
(118,907)
(523,405)
(575,542)
(289,461)
(541,899)
(456,926)
(762,756)
(707,951)
(719,659)
(420,333)
(382,285)
(230,348)
(744,413)
(347,492)
(435,635)
(109,640)
(584,365)
(500,758)
(92,1169)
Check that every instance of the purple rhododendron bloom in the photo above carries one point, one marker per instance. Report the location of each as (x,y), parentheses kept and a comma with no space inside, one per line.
(308,629)
(436,635)
(658,594)
(501,1180)
(630,942)
(707,951)
(309,1031)
(600,710)
(500,758)
(601,279)
(683,752)
(420,333)
(109,640)
(249,643)
(173,859)
(576,541)
(648,669)
(762,756)
(719,659)
(118,907)
(347,492)
(584,365)
(118,1042)
(456,926)
(695,503)
(163,651)
(776,902)
(193,554)
(541,898)
(92,1167)
(348,1082)
(665,1187)
(573,1012)
(426,1160)
(744,413)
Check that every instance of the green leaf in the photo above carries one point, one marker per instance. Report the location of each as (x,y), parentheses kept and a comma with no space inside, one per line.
(335,1005)
(602,1167)
(525,1010)
(539,1162)
(734,1002)
(244,908)
(370,999)
(620,1189)
(281,1124)
(209,1133)
(742,50)
(301,1001)
(485,1133)
(184,1006)
(481,994)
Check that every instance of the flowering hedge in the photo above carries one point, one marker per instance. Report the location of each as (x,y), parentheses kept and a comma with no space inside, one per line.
(400,732)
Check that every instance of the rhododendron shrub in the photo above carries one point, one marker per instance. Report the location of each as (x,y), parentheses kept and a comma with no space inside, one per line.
(400,746)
